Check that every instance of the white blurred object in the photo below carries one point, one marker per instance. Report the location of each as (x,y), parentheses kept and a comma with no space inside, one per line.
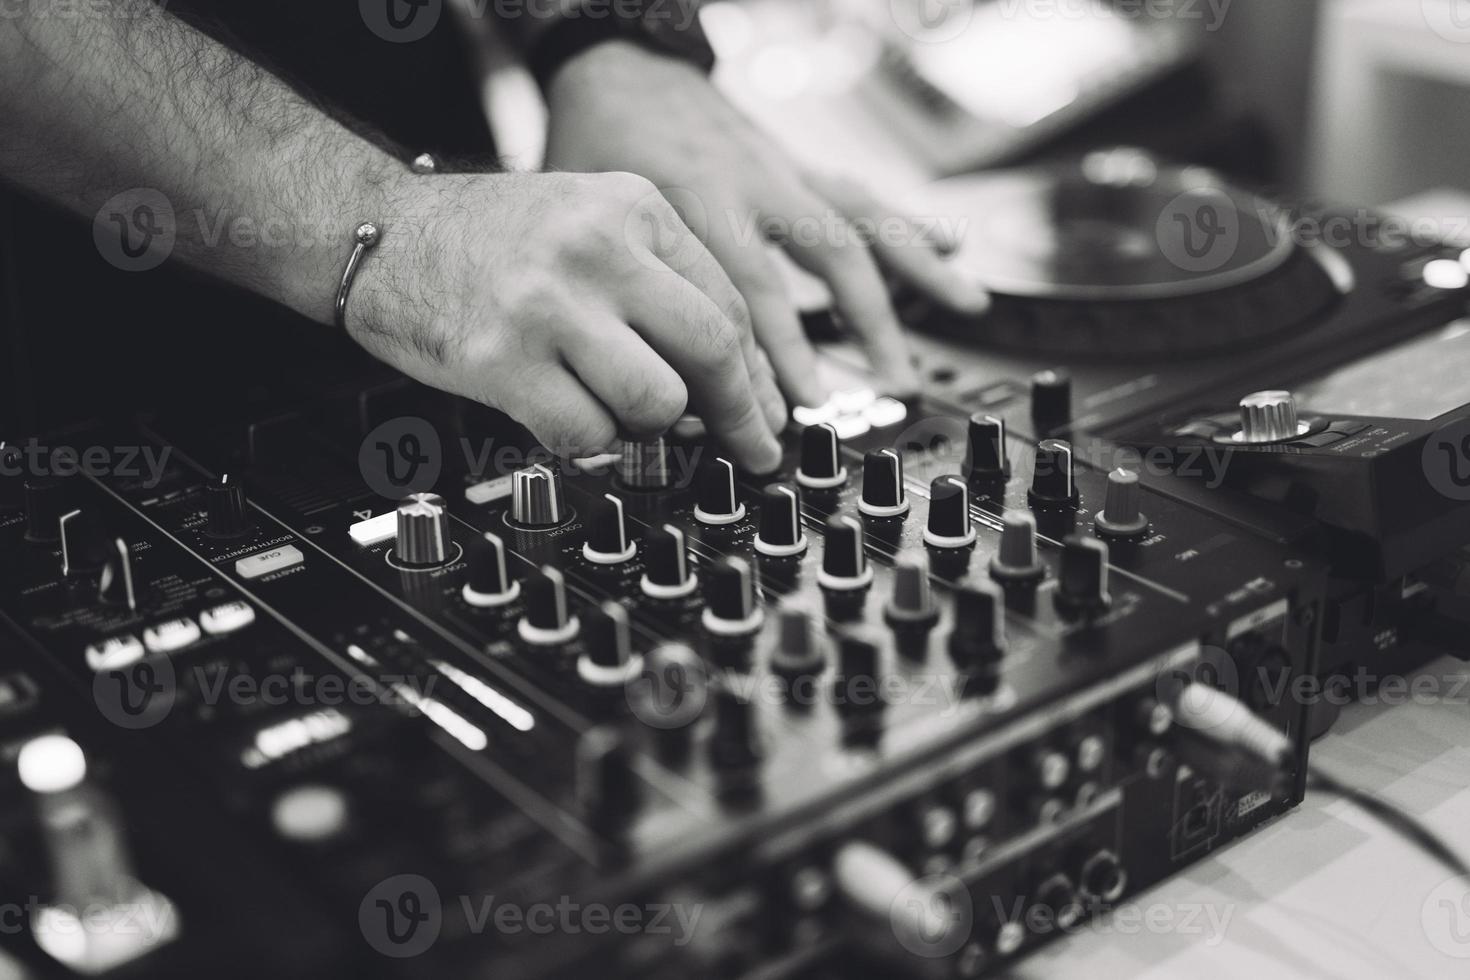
(1391,108)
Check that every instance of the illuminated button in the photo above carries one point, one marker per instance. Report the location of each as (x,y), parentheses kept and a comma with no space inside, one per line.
(885,412)
(490,491)
(286,556)
(175,634)
(1446,274)
(227,618)
(115,652)
(308,814)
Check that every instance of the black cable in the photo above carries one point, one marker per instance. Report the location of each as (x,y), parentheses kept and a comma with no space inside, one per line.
(1393,817)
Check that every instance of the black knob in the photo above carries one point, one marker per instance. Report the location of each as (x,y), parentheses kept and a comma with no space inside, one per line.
(1082,582)
(45,501)
(84,541)
(666,560)
(986,456)
(730,608)
(978,639)
(607,533)
(1051,400)
(718,503)
(225,508)
(797,651)
(547,621)
(883,489)
(859,655)
(536,497)
(489,583)
(1121,514)
(949,524)
(734,745)
(609,660)
(115,586)
(1052,479)
(645,465)
(844,563)
(780,534)
(1016,559)
(821,458)
(607,790)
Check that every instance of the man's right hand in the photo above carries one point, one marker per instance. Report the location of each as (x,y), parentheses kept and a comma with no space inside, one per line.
(578,304)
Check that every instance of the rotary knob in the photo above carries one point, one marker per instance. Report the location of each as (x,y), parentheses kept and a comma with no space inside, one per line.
(1082,582)
(548,621)
(1052,479)
(718,504)
(949,524)
(423,530)
(607,536)
(1121,516)
(845,566)
(978,639)
(1268,416)
(606,788)
(883,490)
(911,610)
(1051,400)
(536,497)
(115,585)
(1016,559)
(780,534)
(821,458)
(797,651)
(666,558)
(729,595)
(224,506)
(84,542)
(645,465)
(489,583)
(985,449)
(609,660)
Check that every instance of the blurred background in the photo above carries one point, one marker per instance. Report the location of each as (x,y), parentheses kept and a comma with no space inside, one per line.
(1354,101)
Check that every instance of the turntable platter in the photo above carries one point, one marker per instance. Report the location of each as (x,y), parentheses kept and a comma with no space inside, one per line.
(1121,257)
(1065,236)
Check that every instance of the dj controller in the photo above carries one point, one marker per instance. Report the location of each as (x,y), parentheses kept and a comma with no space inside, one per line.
(368,685)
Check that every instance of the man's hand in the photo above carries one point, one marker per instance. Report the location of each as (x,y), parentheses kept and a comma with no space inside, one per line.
(579,304)
(620,107)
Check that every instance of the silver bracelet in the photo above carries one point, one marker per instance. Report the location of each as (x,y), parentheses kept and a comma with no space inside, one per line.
(367,237)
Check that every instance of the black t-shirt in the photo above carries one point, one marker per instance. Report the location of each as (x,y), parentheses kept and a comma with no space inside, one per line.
(79,337)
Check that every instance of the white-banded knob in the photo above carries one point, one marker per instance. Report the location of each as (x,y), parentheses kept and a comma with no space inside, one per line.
(1268,416)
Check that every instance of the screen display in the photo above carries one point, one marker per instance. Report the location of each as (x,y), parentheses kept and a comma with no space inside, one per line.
(1419,379)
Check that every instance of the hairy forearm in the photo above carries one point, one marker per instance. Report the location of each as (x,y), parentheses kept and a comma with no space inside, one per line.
(112,105)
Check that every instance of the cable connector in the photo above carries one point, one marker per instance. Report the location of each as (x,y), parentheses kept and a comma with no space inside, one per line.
(1224,719)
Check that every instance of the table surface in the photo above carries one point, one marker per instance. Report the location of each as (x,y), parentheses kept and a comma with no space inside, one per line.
(1324,891)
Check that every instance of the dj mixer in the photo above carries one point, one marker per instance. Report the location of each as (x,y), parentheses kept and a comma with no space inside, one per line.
(366,684)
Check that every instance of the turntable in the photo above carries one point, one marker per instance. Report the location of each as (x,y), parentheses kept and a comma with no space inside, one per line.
(1123,258)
